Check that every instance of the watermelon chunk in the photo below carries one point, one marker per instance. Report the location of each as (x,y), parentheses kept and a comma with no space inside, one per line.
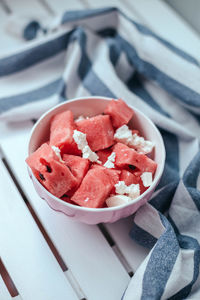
(60,180)
(103,155)
(119,112)
(77,165)
(98,130)
(94,189)
(40,159)
(112,173)
(128,156)
(61,133)
(127,177)
(51,173)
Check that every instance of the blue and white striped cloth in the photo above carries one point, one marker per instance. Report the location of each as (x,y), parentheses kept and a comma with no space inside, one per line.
(102,52)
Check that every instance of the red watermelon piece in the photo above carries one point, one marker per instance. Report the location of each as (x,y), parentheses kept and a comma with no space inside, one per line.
(99,132)
(135,131)
(127,177)
(60,180)
(40,159)
(77,165)
(128,156)
(113,174)
(94,189)
(119,112)
(61,133)
(132,177)
(103,155)
(51,173)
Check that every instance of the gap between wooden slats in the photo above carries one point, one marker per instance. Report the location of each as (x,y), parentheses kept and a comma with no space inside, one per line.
(72,239)
(4,294)
(24,252)
(6,41)
(5,278)
(25,8)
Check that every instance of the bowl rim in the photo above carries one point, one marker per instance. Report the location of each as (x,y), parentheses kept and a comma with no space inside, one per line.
(103,209)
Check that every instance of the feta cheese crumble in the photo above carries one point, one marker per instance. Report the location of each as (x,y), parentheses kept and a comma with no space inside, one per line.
(57,152)
(147,178)
(110,161)
(80,118)
(89,154)
(117,200)
(80,139)
(124,135)
(133,190)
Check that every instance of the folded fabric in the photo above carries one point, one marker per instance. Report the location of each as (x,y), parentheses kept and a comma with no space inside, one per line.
(103,52)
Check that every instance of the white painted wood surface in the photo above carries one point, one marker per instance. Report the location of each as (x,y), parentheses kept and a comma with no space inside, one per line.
(24,251)
(96,270)
(82,247)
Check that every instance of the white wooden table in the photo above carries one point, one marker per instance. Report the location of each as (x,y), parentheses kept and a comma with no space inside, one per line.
(44,255)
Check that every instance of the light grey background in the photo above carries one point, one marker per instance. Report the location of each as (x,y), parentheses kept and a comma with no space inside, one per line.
(189,10)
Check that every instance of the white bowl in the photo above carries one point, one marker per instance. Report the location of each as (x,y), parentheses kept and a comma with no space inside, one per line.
(90,106)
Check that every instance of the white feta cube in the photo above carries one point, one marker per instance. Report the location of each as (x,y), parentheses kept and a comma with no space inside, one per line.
(123,134)
(120,187)
(110,161)
(80,139)
(57,152)
(117,200)
(133,191)
(89,154)
(147,178)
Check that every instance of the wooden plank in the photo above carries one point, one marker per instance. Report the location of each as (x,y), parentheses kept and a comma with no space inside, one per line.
(23,7)
(4,294)
(133,253)
(24,251)
(166,22)
(7,41)
(60,6)
(82,247)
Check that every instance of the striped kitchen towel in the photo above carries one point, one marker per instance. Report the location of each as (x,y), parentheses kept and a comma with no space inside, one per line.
(103,52)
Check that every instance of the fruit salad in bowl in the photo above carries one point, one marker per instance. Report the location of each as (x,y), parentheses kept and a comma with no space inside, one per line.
(95,159)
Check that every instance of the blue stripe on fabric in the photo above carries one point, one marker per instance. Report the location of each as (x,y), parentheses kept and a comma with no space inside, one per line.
(35,95)
(187,242)
(160,264)
(171,85)
(142,237)
(171,169)
(30,57)
(31,30)
(163,200)
(190,179)
(79,15)
(89,79)
(146,31)
(115,47)
(135,85)
(192,172)
(114,50)
(187,95)
(195,194)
